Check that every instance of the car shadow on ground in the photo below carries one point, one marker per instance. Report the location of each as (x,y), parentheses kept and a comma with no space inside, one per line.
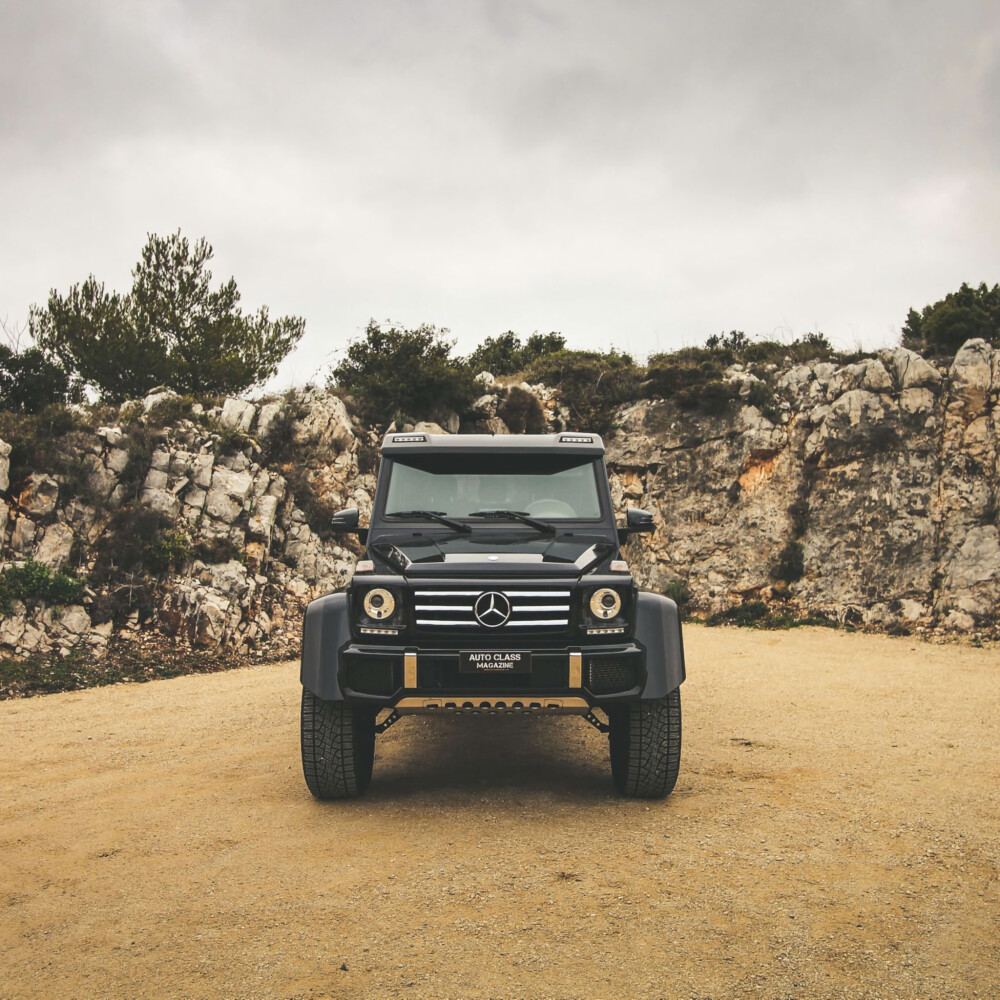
(491,754)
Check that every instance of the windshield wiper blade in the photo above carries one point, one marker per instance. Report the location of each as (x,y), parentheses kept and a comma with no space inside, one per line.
(516,515)
(431,515)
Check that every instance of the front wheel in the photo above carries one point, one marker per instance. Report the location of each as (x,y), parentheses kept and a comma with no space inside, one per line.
(645,740)
(338,747)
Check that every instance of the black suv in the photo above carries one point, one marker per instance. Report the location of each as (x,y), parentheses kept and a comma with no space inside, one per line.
(493,582)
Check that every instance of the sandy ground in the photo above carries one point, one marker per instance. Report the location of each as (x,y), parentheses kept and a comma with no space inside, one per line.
(834,833)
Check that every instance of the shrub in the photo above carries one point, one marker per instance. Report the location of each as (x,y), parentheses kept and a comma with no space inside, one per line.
(280,437)
(217,550)
(30,381)
(592,385)
(410,372)
(51,441)
(137,540)
(942,327)
(790,566)
(522,412)
(505,354)
(34,581)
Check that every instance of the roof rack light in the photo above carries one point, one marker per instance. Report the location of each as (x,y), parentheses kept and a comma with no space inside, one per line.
(576,439)
(409,439)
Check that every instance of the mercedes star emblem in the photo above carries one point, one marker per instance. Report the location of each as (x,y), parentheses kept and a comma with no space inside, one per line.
(492,609)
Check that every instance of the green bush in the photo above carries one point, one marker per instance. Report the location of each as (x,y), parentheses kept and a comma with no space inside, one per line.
(138,540)
(409,372)
(943,326)
(31,380)
(34,581)
(592,385)
(505,355)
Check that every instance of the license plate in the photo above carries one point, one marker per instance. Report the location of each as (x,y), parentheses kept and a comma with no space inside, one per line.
(508,661)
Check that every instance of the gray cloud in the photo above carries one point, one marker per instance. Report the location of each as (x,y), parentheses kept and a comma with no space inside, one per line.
(646,171)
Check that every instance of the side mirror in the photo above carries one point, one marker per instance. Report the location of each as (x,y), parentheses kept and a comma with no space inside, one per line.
(639,520)
(636,522)
(346,520)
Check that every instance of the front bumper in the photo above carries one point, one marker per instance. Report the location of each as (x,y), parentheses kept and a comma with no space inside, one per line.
(570,679)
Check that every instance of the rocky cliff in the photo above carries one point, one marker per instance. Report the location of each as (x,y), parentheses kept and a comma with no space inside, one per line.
(869,493)
(866,493)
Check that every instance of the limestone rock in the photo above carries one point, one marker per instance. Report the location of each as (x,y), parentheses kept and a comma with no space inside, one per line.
(266,417)
(74,620)
(4,465)
(429,427)
(157,396)
(238,414)
(326,423)
(910,371)
(55,546)
(39,495)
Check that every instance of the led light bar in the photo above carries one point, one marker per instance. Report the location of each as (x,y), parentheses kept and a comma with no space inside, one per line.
(409,438)
(576,439)
(378,631)
(605,631)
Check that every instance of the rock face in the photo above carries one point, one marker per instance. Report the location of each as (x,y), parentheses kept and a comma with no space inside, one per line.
(250,557)
(873,499)
(866,492)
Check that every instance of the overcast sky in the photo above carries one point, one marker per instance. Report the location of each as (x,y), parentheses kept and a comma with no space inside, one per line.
(642,174)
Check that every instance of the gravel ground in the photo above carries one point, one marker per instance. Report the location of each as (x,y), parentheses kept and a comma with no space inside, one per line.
(834,833)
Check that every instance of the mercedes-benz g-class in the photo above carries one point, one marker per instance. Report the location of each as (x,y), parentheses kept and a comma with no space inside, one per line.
(493,581)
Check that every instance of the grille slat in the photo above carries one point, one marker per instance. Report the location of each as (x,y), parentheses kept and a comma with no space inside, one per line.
(454,608)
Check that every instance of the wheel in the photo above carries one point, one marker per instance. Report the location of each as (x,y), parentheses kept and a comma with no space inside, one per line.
(645,740)
(338,747)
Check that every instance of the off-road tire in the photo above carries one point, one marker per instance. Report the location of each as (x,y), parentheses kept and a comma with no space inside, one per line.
(645,740)
(338,747)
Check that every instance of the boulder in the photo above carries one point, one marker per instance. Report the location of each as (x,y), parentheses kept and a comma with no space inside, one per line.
(268,412)
(4,465)
(55,546)
(238,414)
(157,396)
(74,620)
(39,495)
(909,370)
(326,423)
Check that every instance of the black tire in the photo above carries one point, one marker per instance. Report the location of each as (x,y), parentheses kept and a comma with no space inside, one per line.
(338,747)
(645,740)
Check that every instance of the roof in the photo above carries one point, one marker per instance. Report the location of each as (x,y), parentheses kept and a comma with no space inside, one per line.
(421,443)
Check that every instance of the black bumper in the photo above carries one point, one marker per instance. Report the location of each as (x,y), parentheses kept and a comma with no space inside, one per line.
(384,676)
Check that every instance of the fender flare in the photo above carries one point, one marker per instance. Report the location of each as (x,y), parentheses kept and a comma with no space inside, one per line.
(658,631)
(326,629)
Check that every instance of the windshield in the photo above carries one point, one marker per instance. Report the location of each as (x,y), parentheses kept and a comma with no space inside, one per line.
(545,486)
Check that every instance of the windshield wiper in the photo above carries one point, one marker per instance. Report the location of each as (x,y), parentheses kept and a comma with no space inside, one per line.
(431,515)
(516,515)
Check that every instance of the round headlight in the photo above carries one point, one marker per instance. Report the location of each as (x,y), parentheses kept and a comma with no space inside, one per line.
(379,603)
(605,603)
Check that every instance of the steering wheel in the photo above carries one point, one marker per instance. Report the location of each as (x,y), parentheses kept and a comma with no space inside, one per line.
(550,508)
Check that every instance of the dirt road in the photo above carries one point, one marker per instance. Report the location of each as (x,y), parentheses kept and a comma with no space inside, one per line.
(835,833)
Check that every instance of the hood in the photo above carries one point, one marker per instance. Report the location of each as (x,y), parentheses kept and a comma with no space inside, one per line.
(493,554)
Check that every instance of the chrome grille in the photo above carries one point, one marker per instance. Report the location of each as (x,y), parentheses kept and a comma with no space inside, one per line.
(530,607)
